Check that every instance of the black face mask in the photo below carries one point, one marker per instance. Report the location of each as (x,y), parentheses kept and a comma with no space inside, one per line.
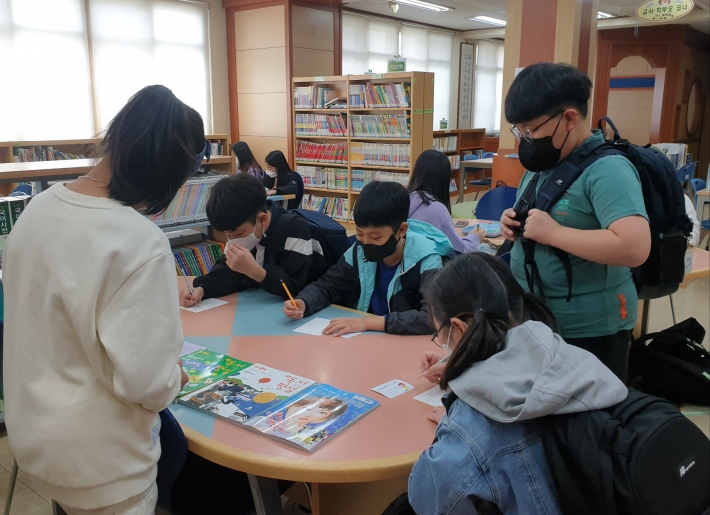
(379,252)
(540,154)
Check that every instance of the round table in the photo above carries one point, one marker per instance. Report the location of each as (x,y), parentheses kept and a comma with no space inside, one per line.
(374,455)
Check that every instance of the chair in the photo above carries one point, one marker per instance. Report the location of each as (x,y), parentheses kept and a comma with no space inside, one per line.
(494,202)
(22,189)
(685,174)
(483,181)
(488,155)
(698,185)
(172,457)
(299,193)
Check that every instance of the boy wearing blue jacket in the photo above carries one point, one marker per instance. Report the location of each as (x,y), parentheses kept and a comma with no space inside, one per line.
(384,273)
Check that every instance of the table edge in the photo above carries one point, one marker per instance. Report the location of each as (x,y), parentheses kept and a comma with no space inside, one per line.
(308,471)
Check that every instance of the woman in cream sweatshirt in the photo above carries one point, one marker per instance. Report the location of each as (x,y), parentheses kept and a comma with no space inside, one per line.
(92,329)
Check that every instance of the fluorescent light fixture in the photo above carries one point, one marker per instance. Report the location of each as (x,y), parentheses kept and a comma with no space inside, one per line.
(424,5)
(488,19)
(601,15)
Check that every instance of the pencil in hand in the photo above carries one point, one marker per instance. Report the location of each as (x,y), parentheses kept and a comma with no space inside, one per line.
(289,294)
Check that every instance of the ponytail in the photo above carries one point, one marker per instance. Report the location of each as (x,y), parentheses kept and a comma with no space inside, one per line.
(534,308)
(484,337)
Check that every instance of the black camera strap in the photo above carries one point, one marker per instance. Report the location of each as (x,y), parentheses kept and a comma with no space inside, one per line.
(548,195)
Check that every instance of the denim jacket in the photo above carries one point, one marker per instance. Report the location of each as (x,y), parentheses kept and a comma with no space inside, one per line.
(488,456)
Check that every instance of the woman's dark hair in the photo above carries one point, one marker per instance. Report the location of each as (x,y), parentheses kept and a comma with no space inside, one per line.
(431,178)
(277,159)
(467,288)
(546,89)
(234,200)
(522,305)
(245,157)
(152,144)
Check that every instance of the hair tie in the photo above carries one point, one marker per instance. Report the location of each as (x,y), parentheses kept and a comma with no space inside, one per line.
(481,310)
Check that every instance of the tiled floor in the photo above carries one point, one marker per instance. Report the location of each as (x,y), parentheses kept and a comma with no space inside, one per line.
(694,301)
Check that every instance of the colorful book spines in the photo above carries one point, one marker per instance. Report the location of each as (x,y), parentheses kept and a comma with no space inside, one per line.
(445,143)
(320,125)
(380,126)
(196,260)
(392,95)
(334,207)
(189,204)
(322,152)
(360,178)
(379,154)
(328,178)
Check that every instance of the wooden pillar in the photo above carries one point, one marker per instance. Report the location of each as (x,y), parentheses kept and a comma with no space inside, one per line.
(546,30)
(271,41)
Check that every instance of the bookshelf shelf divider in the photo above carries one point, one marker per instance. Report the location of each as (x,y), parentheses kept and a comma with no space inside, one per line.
(419,115)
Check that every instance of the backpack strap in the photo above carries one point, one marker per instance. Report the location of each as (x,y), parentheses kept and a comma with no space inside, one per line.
(606,119)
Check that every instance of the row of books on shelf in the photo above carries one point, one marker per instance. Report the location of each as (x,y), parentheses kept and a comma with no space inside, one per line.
(319,125)
(320,177)
(268,401)
(380,125)
(676,152)
(216,147)
(380,154)
(445,143)
(455,162)
(196,260)
(38,153)
(322,152)
(361,178)
(189,204)
(317,97)
(380,95)
(334,207)
(10,210)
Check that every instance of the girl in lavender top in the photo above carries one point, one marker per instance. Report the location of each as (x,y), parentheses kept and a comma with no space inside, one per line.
(429,199)
(246,163)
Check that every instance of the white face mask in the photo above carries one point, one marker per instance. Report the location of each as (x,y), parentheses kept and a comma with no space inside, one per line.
(448,339)
(248,242)
(272,174)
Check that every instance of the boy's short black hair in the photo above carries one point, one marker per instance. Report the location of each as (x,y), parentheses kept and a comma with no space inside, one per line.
(382,204)
(234,200)
(546,89)
(152,144)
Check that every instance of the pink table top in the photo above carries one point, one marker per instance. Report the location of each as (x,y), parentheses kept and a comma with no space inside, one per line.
(383,444)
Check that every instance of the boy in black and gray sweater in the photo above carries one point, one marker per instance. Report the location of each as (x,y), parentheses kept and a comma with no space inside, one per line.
(266,244)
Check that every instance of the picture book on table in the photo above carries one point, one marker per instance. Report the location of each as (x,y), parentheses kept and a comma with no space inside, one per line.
(205,367)
(251,392)
(313,417)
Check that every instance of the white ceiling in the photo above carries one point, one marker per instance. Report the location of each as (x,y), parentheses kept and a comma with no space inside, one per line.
(464,9)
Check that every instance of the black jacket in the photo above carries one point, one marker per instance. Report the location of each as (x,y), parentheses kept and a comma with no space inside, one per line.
(289,188)
(292,253)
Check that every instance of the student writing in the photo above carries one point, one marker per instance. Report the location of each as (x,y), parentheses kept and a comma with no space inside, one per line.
(384,273)
(505,375)
(266,244)
(600,222)
(247,163)
(92,332)
(429,199)
(283,178)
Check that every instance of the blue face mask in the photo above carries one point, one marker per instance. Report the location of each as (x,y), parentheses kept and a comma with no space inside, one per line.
(205,154)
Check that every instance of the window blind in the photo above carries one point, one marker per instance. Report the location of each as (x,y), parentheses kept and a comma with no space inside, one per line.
(489,86)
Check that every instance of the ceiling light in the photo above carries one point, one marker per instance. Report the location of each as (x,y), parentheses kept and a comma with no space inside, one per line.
(394,7)
(488,19)
(424,5)
(601,15)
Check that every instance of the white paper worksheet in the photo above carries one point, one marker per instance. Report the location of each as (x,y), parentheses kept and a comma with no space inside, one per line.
(314,327)
(189,348)
(432,397)
(205,305)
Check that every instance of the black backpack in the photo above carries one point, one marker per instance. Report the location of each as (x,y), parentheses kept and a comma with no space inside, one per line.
(330,234)
(640,457)
(663,271)
(674,365)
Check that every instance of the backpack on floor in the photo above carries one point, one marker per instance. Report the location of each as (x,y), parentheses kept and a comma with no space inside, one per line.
(330,234)
(640,457)
(673,364)
(663,271)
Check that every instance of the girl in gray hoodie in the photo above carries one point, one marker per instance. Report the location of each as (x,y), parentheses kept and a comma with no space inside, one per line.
(505,373)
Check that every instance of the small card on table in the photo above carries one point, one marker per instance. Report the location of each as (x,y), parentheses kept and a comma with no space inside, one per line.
(205,305)
(393,388)
(432,397)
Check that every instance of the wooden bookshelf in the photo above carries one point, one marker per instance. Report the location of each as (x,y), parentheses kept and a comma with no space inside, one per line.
(12,173)
(421,113)
(467,141)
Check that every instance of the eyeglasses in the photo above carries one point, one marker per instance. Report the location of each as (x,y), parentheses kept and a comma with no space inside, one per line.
(435,336)
(527,134)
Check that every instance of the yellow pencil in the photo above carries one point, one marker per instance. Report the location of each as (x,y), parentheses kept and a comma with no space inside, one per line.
(289,294)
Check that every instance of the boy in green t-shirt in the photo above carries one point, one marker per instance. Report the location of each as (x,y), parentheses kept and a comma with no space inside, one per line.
(600,221)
